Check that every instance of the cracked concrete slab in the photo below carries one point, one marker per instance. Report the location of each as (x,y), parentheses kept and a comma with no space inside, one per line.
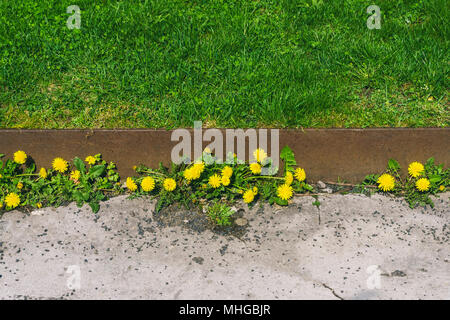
(351,247)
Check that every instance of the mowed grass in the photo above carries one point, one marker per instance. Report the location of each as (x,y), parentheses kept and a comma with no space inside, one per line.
(165,64)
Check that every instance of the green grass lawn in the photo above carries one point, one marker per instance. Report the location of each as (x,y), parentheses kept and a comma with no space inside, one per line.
(164,64)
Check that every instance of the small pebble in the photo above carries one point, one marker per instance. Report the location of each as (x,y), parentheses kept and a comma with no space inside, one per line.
(321,185)
(241,221)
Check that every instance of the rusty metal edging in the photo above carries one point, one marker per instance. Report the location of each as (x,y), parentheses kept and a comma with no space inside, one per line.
(326,154)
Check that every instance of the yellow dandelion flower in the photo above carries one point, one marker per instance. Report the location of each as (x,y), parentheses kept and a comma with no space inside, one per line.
(225,180)
(300,174)
(255,168)
(39,205)
(227,171)
(423,184)
(148,184)
(59,164)
(386,182)
(259,155)
(441,188)
(199,166)
(20,157)
(43,173)
(248,196)
(189,173)
(415,169)
(197,171)
(284,192)
(194,172)
(169,184)
(134,168)
(90,159)
(20,185)
(12,200)
(215,181)
(289,178)
(1,176)
(207,150)
(255,190)
(131,185)
(75,175)
(1,204)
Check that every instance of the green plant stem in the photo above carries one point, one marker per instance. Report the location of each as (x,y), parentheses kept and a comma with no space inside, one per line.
(153,172)
(350,185)
(264,177)
(23,175)
(237,187)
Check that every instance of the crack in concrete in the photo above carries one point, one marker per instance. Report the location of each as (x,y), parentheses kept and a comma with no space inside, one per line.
(332,291)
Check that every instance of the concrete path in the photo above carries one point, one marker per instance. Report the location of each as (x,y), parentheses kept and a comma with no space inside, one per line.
(351,247)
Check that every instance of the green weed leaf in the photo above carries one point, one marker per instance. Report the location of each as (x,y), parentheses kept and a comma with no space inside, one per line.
(287,155)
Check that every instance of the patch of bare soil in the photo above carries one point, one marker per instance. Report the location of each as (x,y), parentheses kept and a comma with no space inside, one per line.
(196,220)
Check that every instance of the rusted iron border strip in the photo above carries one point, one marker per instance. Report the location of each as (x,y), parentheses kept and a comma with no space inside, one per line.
(326,154)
